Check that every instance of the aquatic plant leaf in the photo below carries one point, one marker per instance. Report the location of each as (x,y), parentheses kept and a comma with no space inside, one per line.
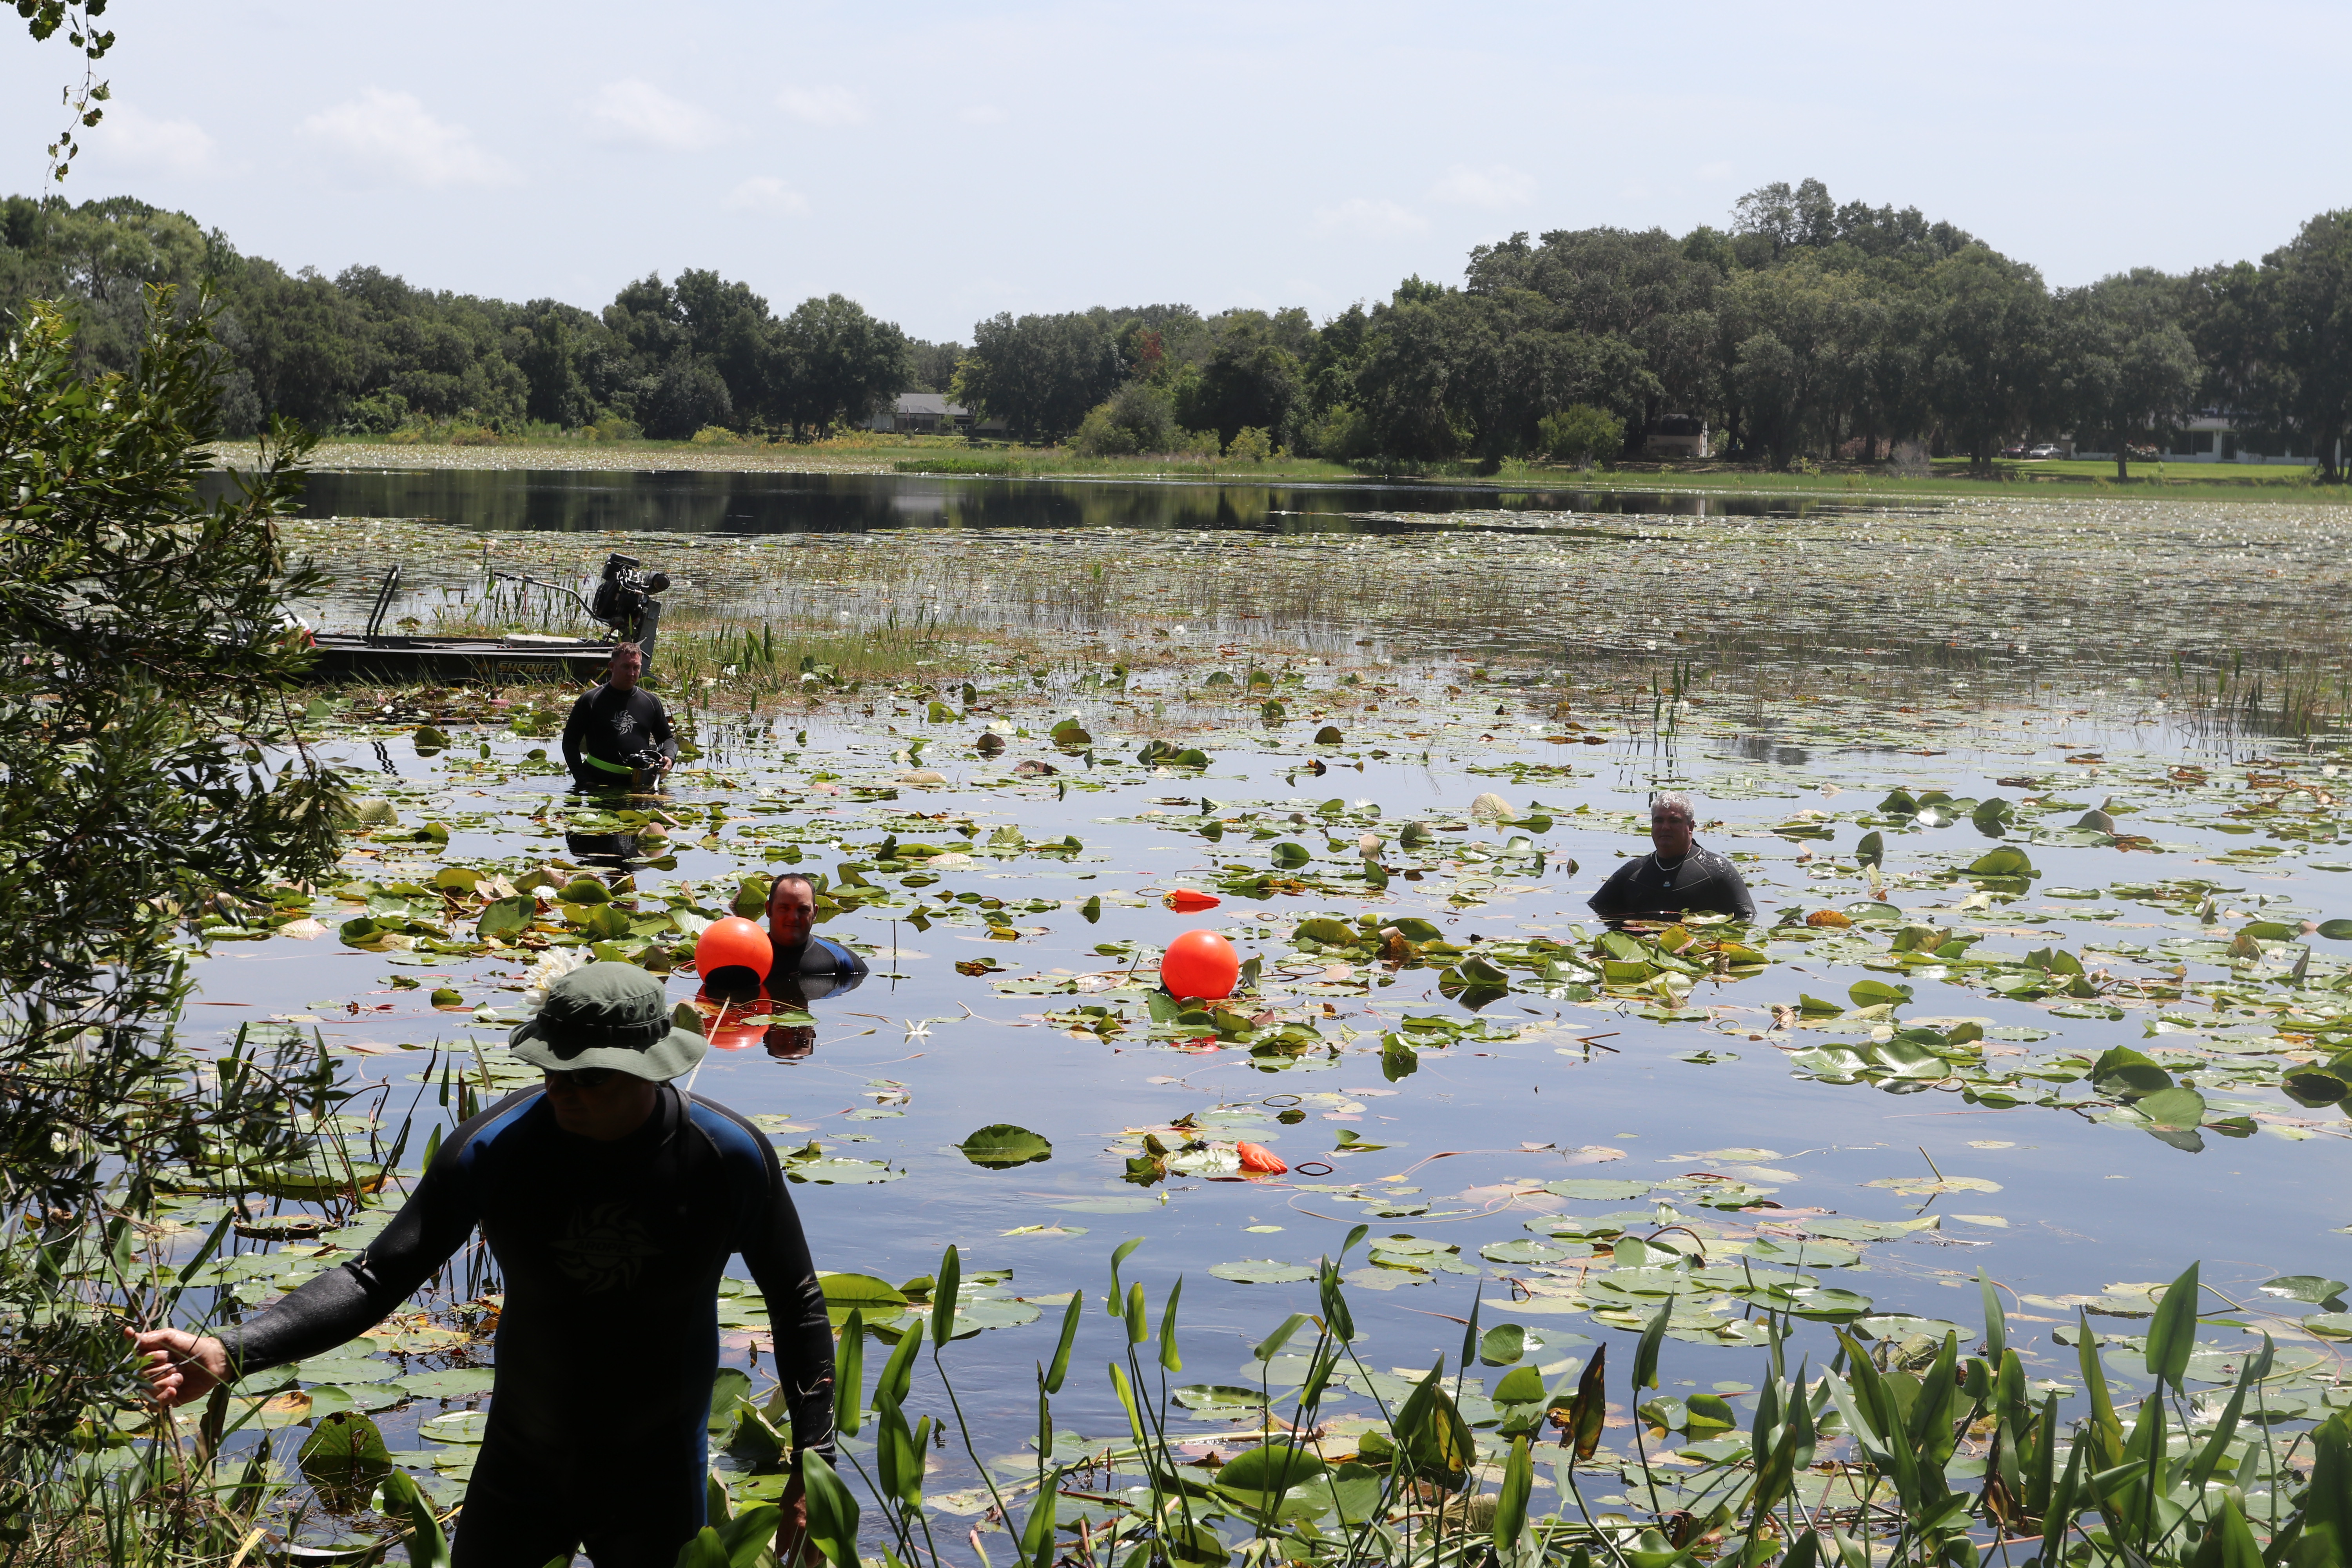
(2172,1109)
(1217,1395)
(1001,1146)
(344,1457)
(1260,1271)
(2006,861)
(1504,1345)
(2316,1288)
(846,1290)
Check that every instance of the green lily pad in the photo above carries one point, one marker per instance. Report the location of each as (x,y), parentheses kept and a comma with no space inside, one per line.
(449,1382)
(1260,1271)
(1001,1146)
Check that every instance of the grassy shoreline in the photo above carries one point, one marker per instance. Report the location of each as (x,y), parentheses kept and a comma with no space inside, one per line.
(953,459)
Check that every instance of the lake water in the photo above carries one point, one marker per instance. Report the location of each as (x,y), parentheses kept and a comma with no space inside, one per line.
(1698,1100)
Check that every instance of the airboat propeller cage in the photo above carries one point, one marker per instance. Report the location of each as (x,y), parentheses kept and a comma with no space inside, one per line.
(625,601)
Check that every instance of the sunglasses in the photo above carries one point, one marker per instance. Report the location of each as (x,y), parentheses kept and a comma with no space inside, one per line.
(590,1078)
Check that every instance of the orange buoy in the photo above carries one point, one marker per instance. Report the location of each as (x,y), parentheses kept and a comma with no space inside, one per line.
(1185,901)
(1201,964)
(1260,1161)
(733,943)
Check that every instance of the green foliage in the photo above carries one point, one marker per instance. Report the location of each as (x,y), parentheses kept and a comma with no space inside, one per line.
(150,771)
(1581,435)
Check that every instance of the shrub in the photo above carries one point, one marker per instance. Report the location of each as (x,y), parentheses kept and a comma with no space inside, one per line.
(1341,433)
(1251,443)
(1580,434)
(1137,418)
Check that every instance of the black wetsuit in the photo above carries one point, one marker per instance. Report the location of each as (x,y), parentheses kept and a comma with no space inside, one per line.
(1702,882)
(608,1343)
(607,728)
(826,967)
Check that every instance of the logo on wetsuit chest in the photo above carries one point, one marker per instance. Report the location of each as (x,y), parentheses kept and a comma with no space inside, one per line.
(604,1249)
(623,723)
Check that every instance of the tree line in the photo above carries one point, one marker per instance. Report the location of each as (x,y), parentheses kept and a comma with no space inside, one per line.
(367,353)
(1806,329)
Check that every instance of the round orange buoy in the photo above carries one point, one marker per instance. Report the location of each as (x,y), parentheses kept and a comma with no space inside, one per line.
(1261,1161)
(1185,901)
(733,943)
(1201,964)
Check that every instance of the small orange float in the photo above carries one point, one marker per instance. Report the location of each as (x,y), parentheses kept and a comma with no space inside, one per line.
(1260,1161)
(1185,901)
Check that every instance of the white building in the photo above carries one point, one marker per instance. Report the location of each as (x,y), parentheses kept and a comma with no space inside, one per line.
(930,414)
(1677,436)
(2213,437)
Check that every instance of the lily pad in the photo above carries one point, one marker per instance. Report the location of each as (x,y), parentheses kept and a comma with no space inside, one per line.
(1001,1146)
(1260,1271)
(448,1383)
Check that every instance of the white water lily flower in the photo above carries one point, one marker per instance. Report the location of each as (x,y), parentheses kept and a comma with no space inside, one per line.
(552,965)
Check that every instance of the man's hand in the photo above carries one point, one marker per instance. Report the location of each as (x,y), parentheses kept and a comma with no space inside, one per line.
(179,1366)
(792,1531)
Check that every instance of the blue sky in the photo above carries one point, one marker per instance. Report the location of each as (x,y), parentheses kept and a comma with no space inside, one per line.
(939,162)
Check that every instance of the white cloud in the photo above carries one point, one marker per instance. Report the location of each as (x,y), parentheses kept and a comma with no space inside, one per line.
(390,135)
(983,114)
(1497,186)
(1718,170)
(1372,219)
(764,193)
(634,111)
(181,146)
(822,105)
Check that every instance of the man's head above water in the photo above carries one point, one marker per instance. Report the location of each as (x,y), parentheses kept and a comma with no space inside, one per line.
(792,911)
(1672,821)
(628,665)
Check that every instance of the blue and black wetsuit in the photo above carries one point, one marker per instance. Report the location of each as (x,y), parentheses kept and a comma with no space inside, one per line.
(608,1342)
(824,967)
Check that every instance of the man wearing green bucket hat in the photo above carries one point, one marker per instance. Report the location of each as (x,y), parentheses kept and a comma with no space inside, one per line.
(611,1200)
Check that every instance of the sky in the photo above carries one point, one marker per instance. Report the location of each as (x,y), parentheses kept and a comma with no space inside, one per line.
(940,162)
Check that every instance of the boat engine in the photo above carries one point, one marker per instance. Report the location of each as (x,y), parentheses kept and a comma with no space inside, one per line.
(624,600)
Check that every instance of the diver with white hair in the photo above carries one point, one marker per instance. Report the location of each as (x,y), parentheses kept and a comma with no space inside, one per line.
(1675,879)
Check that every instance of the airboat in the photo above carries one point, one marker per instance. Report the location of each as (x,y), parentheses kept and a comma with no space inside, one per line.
(625,604)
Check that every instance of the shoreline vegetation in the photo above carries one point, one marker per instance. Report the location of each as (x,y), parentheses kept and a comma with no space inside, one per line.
(1810,339)
(954,458)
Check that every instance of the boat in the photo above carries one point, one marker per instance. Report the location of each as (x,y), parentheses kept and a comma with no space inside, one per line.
(625,604)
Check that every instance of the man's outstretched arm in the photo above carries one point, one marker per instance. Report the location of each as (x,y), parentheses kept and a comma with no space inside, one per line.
(338,1305)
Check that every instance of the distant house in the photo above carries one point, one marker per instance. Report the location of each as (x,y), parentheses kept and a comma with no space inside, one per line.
(930,414)
(2213,437)
(1677,436)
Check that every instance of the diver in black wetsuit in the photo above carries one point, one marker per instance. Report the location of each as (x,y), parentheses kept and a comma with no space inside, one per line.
(612,1201)
(807,962)
(1677,878)
(618,731)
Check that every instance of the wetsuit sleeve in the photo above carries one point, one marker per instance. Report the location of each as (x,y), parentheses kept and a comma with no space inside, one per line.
(665,740)
(348,1300)
(1611,901)
(1732,889)
(576,729)
(777,1254)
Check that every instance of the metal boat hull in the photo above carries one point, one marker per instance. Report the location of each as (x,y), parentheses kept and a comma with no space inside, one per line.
(398,660)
